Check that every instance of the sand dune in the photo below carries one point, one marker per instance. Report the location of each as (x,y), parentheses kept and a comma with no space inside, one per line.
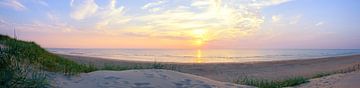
(222,72)
(150,78)
(347,80)
(228,72)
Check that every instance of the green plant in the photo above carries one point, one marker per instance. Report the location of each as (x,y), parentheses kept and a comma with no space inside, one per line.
(261,83)
(115,67)
(15,73)
(156,65)
(22,64)
(322,74)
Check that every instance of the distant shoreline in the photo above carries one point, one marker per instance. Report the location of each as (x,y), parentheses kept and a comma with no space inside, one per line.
(227,72)
(206,56)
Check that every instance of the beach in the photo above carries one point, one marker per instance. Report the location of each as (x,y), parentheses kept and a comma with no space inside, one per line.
(230,72)
(150,78)
(347,80)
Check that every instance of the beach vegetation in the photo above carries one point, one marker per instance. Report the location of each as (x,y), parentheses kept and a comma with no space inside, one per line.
(22,64)
(262,83)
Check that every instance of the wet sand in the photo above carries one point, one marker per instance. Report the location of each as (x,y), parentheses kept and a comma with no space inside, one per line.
(228,72)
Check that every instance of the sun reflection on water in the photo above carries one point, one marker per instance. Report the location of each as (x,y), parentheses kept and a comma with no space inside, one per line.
(199,58)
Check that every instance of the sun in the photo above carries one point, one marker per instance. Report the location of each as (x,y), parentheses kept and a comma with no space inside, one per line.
(199,36)
(199,33)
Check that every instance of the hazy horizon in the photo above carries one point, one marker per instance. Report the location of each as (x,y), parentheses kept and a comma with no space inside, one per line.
(184,24)
(205,55)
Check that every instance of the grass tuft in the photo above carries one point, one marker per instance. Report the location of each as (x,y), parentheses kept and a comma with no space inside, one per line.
(22,62)
(261,83)
(322,74)
(154,65)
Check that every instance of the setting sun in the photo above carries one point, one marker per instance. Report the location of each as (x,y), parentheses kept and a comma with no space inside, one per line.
(199,36)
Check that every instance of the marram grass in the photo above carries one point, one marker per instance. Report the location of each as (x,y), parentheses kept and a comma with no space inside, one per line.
(22,63)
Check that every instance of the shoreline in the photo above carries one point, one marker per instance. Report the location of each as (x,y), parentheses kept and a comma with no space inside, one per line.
(228,72)
(81,58)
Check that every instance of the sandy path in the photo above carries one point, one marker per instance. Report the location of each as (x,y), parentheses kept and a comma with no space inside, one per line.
(347,80)
(150,78)
(232,71)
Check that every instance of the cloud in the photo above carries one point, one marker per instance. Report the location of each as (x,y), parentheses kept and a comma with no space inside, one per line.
(319,23)
(42,2)
(103,16)
(71,2)
(52,16)
(266,3)
(219,17)
(152,4)
(15,4)
(295,19)
(111,15)
(234,18)
(57,26)
(83,9)
(275,18)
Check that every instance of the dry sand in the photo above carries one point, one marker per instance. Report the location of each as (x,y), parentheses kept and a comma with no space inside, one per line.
(347,80)
(150,78)
(224,73)
(228,72)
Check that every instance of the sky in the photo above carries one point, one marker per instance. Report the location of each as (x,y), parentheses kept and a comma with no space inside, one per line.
(184,24)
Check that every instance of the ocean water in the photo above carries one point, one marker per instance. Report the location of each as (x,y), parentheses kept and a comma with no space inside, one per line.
(206,55)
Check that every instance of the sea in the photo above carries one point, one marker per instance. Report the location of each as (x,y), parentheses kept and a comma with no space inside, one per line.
(206,55)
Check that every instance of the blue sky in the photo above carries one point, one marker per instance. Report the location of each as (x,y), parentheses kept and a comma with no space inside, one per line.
(319,24)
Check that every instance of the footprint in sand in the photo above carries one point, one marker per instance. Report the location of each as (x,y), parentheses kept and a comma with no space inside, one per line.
(163,76)
(112,78)
(186,83)
(149,75)
(142,85)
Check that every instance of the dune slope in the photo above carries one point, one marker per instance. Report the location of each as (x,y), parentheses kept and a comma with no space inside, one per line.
(148,78)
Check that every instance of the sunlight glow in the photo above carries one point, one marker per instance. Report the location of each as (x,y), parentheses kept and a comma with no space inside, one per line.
(199,58)
(199,33)
(199,36)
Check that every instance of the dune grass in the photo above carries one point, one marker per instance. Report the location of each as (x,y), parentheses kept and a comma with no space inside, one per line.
(294,81)
(154,65)
(262,83)
(22,50)
(22,63)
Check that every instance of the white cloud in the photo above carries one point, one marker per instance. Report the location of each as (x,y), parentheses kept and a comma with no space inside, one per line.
(232,17)
(200,3)
(319,23)
(83,9)
(104,16)
(42,2)
(152,4)
(276,18)
(71,2)
(265,3)
(15,4)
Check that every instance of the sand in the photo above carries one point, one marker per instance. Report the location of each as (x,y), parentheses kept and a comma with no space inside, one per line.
(221,72)
(228,72)
(150,78)
(347,80)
